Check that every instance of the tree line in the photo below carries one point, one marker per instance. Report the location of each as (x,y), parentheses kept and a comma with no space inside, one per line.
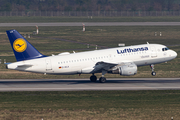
(89,5)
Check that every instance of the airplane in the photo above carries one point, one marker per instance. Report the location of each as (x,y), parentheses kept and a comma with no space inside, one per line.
(119,60)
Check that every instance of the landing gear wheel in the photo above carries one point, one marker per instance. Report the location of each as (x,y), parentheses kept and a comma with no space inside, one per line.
(93,78)
(153,73)
(152,69)
(102,79)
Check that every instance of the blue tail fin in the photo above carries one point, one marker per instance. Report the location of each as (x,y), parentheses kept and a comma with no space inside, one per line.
(23,50)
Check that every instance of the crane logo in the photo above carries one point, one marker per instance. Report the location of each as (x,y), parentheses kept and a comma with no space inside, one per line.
(19,45)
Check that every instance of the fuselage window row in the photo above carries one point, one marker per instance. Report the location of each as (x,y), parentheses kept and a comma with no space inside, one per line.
(105,57)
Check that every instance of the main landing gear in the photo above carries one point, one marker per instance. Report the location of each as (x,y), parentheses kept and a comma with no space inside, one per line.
(102,79)
(93,78)
(152,68)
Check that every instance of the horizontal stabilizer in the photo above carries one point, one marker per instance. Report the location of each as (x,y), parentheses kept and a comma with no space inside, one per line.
(25,65)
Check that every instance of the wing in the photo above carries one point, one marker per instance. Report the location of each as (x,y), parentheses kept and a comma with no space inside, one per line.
(100,66)
(104,66)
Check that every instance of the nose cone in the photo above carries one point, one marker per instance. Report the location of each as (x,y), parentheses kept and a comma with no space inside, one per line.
(174,54)
(171,55)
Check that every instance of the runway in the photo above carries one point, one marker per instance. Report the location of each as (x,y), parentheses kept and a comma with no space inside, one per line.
(85,84)
(93,24)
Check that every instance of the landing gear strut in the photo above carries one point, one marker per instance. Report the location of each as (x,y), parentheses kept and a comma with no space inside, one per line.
(93,78)
(103,79)
(152,68)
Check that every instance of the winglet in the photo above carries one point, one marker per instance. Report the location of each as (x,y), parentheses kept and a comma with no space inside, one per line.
(22,49)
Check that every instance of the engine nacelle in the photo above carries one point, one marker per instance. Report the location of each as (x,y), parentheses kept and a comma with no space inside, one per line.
(126,70)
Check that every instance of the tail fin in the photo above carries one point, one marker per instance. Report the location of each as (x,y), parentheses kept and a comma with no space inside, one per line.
(22,49)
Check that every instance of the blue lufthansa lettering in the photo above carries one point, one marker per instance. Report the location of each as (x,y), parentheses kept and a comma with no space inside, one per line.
(128,50)
(122,51)
(138,49)
(118,52)
(135,49)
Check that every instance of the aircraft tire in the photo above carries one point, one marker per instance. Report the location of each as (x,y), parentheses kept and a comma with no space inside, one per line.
(93,78)
(153,73)
(102,79)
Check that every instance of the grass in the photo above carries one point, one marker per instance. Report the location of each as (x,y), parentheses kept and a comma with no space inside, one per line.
(122,105)
(33,19)
(103,36)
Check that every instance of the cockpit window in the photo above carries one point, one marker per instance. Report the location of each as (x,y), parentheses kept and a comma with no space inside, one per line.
(165,49)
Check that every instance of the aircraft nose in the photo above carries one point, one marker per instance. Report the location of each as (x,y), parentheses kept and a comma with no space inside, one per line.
(174,54)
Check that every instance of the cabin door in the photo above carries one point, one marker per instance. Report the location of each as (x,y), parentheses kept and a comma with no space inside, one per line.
(153,52)
(48,65)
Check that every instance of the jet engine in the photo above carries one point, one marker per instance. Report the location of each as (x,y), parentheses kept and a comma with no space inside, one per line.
(125,70)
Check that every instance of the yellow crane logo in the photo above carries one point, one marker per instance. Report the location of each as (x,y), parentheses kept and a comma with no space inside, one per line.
(19,45)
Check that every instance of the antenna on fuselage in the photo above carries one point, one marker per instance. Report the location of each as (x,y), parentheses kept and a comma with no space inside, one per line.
(147,43)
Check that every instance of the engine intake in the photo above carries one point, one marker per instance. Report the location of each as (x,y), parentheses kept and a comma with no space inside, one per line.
(126,70)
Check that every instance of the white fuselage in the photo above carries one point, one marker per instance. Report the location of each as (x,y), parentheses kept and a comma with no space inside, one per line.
(84,62)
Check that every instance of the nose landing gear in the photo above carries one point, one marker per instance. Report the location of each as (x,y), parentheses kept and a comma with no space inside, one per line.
(152,69)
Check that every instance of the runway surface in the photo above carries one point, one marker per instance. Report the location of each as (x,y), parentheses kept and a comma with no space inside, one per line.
(93,24)
(85,84)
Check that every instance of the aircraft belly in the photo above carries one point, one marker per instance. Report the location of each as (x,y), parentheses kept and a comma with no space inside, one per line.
(36,69)
(149,61)
(85,67)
